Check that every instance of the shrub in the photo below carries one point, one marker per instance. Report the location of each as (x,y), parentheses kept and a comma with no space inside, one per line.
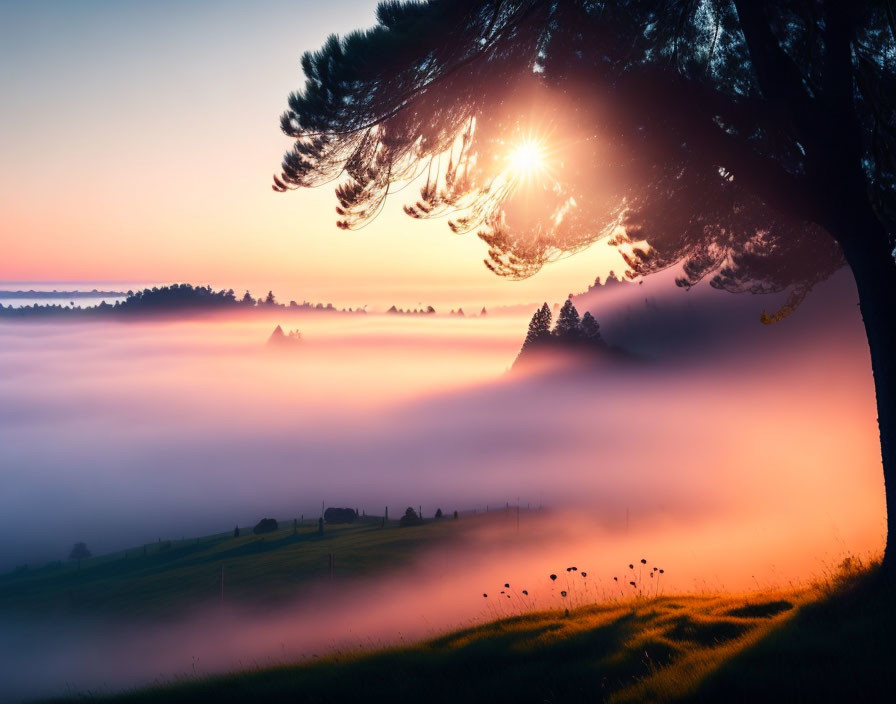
(265,525)
(410,518)
(340,515)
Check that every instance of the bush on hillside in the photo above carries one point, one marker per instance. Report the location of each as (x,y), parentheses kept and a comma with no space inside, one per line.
(265,525)
(340,515)
(410,518)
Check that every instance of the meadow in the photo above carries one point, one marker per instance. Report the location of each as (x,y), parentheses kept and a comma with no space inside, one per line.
(169,578)
(826,642)
(823,640)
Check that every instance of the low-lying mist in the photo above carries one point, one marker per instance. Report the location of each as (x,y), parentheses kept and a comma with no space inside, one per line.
(169,428)
(499,566)
(754,464)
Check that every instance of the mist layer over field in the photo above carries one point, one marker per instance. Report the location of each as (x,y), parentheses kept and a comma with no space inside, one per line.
(496,568)
(169,428)
(756,463)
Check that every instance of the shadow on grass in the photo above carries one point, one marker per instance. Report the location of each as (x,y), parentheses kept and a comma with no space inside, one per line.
(837,649)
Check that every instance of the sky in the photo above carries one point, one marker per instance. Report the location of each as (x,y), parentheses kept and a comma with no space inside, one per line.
(139,140)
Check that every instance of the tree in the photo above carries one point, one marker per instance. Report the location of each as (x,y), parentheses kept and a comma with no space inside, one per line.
(236,531)
(747,141)
(79,552)
(265,525)
(438,513)
(410,518)
(590,329)
(270,300)
(340,515)
(247,299)
(539,327)
(568,327)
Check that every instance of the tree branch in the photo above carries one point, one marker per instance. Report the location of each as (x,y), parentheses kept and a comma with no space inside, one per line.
(689,110)
(777,76)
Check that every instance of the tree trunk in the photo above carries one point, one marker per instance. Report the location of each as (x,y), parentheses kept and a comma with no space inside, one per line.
(869,256)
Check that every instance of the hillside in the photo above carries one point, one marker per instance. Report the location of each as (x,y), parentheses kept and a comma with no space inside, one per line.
(169,578)
(771,646)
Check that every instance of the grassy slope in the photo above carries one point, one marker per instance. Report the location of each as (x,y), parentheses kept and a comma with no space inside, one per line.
(830,643)
(259,570)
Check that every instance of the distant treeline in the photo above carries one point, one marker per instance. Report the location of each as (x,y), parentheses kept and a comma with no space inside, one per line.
(429,310)
(61,294)
(169,299)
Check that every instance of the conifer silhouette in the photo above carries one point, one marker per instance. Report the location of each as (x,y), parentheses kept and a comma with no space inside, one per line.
(568,327)
(539,327)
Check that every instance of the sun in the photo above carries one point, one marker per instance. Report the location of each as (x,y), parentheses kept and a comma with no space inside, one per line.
(527,158)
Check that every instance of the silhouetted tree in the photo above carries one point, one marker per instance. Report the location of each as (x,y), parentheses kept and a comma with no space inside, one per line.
(247,299)
(265,525)
(270,300)
(79,552)
(590,330)
(438,513)
(539,327)
(568,327)
(750,141)
(340,515)
(236,531)
(455,515)
(410,518)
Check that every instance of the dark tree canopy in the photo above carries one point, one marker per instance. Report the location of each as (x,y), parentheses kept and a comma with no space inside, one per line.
(711,133)
(265,525)
(590,329)
(568,327)
(340,515)
(410,518)
(539,327)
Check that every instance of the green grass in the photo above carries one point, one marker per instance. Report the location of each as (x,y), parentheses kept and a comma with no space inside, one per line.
(832,642)
(260,570)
